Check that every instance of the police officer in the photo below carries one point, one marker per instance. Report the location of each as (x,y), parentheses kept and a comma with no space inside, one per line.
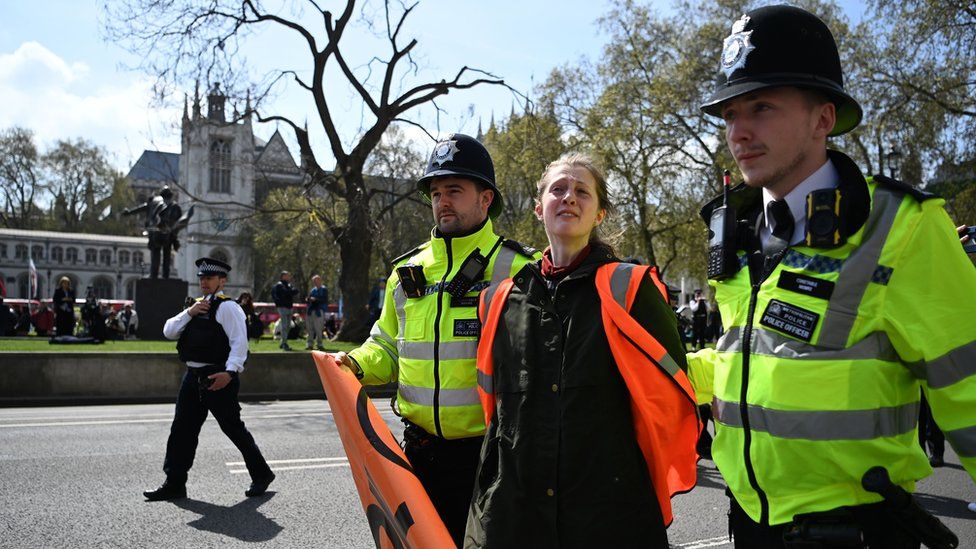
(842,296)
(426,335)
(213,343)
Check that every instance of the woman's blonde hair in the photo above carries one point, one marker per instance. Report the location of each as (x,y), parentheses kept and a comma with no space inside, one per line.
(581,160)
(64,279)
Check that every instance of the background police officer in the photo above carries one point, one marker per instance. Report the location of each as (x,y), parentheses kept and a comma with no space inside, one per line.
(851,294)
(426,336)
(213,343)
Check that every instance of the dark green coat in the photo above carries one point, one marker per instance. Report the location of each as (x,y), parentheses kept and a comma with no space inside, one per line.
(560,465)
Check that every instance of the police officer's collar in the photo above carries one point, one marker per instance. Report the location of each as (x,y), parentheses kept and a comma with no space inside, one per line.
(460,246)
(825,177)
(855,198)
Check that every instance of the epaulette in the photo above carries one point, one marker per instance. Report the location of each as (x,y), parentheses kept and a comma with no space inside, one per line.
(410,253)
(907,188)
(527,251)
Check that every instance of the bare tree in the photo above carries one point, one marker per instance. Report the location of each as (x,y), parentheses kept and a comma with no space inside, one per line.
(181,41)
(20,177)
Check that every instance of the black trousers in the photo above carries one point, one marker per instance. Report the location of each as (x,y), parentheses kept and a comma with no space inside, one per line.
(876,525)
(929,433)
(699,331)
(192,406)
(447,470)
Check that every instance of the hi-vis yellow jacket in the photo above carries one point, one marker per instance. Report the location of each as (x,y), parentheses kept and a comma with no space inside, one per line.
(429,345)
(817,377)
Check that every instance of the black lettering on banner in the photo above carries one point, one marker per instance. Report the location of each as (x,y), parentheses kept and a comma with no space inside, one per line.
(790,319)
(807,285)
(467,328)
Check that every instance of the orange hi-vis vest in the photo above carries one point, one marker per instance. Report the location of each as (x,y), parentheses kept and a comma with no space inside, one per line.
(663,403)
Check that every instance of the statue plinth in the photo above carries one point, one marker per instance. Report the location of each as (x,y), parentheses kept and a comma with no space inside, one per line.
(158,300)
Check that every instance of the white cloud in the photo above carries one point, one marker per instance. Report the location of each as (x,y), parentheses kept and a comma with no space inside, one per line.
(58,99)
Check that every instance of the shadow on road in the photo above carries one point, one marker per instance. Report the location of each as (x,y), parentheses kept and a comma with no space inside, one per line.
(708,476)
(242,521)
(944,506)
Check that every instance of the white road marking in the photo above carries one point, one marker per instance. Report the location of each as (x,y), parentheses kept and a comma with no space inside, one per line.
(276,469)
(703,543)
(159,420)
(302,460)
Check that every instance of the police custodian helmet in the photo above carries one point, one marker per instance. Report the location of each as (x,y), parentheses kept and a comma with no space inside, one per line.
(783,46)
(462,156)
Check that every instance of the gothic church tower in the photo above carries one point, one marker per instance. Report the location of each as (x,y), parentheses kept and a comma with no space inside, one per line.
(217,173)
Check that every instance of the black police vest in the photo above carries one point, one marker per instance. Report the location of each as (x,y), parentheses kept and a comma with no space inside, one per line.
(203,339)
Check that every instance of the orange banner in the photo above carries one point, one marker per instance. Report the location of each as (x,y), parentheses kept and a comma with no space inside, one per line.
(399,512)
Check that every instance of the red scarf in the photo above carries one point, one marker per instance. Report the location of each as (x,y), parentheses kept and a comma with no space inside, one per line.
(552,272)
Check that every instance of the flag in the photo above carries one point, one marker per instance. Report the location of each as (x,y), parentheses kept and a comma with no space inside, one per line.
(32,293)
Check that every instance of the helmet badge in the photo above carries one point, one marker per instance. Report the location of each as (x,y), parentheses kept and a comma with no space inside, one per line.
(736,47)
(444,152)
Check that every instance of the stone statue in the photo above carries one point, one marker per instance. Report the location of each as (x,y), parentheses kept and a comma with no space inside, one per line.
(164,220)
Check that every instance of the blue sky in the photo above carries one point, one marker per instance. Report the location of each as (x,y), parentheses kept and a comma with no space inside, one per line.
(59,77)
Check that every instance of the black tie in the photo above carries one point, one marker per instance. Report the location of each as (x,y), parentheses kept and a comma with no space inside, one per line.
(779,211)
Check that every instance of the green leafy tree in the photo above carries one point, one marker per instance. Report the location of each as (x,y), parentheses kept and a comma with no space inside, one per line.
(81,181)
(520,151)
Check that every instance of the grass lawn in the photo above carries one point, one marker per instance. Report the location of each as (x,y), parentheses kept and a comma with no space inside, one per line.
(40,344)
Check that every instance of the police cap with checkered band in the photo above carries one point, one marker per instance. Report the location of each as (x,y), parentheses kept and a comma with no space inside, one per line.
(207,266)
(777,46)
(461,155)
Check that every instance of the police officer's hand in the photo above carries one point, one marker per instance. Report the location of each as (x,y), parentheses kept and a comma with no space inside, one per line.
(199,308)
(961,231)
(344,362)
(220,380)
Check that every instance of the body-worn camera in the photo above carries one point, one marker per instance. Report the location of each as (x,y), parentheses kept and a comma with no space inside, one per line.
(412,280)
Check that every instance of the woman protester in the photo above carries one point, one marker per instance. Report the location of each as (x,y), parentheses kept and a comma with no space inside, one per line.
(255,328)
(592,423)
(64,308)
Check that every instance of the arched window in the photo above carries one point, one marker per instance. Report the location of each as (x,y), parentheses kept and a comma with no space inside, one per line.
(123,257)
(91,256)
(72,255)
(130,289)
(57,254)
(137,258)
(220,165)
(3,251)
(102,286)
(105,257)
(20,251)
(37,252)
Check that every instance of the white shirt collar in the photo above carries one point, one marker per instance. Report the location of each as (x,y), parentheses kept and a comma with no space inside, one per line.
(826,177)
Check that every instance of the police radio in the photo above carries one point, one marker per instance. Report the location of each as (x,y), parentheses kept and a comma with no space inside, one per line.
(722,260)
(471,270)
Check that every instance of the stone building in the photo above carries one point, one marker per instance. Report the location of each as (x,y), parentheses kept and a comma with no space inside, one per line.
(222,170)
(110,265)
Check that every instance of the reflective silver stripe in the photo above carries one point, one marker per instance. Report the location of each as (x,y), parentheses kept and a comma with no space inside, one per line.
(963,441)
(502,268)
(619,282)
(378,333)
(489,294)
(400,303)
(822,424)
(447,350)
(486,382)
(948,369)
(766,342)
(858,269)
(424,396)
(670,365)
